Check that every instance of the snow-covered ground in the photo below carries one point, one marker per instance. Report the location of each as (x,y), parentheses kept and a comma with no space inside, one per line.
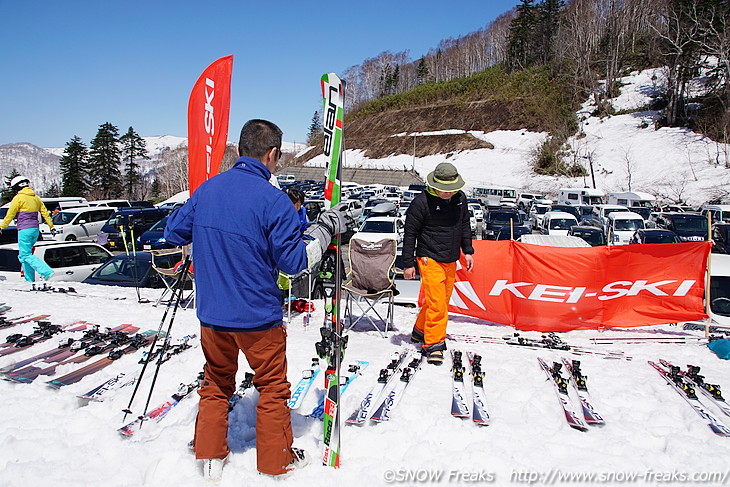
(626,151)
(48,436)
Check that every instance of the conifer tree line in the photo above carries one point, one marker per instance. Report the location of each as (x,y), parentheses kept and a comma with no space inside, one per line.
(585,41)
(107,168)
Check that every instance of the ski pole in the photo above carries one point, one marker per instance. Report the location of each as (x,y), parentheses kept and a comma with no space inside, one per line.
(134,268)
(166,343)
(179,283)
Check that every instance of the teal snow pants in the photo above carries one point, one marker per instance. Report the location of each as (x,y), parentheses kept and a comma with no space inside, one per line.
(27,238)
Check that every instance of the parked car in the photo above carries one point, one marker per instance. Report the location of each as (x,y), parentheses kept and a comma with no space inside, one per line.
(10,235)
(505,233)
(71,261)
(82,224)
(478,211)
(498,218)
(125,225)
(572,209)
(721,238)
(133,269)
(537,212)
(653,235)
(622,225)
(599,217)
(379,227)
(557,223)
(593,235)
(112,203)
(689,227)
(154,239)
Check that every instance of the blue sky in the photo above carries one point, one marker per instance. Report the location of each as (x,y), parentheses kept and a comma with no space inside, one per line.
(70,66)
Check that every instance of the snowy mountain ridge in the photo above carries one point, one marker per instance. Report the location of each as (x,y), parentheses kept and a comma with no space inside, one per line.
(41,164)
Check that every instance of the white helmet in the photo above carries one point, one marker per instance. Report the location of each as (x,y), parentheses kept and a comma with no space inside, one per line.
(19,182)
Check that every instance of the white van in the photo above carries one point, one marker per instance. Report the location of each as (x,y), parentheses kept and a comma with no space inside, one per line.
(720,213)
(557,223)
(286,178)
(495,195)
(581,196)
(631,199)
(621,227)
(77,224)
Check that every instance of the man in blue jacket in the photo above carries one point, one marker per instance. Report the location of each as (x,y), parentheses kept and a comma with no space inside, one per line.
(244,231)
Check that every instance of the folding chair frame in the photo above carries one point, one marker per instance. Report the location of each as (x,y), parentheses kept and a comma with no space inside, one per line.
(386,296)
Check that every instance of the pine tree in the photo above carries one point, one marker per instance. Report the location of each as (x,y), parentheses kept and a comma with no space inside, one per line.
(422,71)
(53,191)
(7,193)
(104,161)
(74,168)
(315,128)
(155,189)
(133,147)
(520,46)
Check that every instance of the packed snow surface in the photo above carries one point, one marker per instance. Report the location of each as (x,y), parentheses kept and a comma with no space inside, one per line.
(50,436)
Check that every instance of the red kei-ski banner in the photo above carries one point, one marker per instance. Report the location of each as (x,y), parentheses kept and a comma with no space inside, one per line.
(208,110)
(533,287)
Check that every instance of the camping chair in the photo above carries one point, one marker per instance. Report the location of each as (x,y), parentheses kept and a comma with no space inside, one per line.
(371,281)
(168,263)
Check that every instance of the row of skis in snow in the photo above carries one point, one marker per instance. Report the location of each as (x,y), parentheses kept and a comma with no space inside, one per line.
(89,347)
(379,402)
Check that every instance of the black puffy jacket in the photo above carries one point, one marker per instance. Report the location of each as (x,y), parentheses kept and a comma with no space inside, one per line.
(436,228)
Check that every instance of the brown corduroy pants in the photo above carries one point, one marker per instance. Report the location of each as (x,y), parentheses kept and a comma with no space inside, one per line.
(266,354)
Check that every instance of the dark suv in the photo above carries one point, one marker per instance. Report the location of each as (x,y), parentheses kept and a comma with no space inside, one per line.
(689,227)
(127,224)
(496,219)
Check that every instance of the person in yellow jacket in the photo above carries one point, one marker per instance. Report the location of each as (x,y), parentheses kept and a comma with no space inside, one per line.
(25,207)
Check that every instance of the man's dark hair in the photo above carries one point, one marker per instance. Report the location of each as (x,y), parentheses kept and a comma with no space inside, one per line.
(257,137)
(295,195)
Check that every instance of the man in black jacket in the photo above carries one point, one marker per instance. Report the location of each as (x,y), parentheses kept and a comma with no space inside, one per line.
(437,231)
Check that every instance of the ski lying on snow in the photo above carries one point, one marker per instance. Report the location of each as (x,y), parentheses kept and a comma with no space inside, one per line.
(20,320)
(43,331)
(459,407)
(302,387)
(479,404)
(578,380)
(183,391)
(684,389)
(103,391)
(360,415)
(561,389)
(137,342)
(97,344)
(692,374)
(391,400)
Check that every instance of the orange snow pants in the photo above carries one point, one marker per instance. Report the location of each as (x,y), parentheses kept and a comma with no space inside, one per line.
(437,281)
(266,354)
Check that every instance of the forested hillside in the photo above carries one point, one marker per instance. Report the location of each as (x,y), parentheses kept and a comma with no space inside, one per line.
(533,66)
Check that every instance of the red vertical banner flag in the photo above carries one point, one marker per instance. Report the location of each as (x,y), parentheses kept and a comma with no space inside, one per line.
(208,111)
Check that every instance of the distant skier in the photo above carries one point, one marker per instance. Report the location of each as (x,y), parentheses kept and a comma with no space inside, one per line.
(25,206)
(436,232)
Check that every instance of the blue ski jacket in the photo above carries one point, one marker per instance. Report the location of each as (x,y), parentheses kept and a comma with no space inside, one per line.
(243,230)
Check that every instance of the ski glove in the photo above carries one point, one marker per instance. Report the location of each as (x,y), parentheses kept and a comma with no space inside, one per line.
(334,220)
